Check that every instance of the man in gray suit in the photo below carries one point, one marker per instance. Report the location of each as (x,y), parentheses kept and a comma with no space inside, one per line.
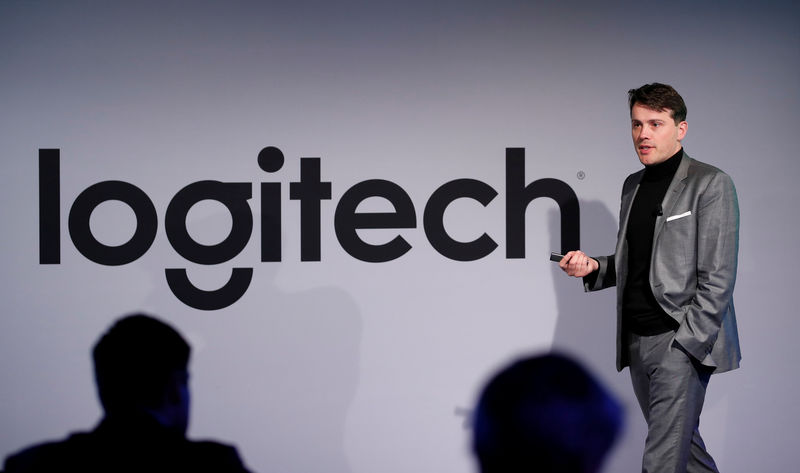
(674,269)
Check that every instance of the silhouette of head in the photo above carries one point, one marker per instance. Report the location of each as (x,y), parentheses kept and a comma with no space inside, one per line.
(544,414)
(141,365)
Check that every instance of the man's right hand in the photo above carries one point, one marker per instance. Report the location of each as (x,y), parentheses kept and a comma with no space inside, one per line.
(577,264)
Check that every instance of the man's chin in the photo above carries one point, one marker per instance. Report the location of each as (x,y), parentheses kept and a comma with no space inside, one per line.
(649,160)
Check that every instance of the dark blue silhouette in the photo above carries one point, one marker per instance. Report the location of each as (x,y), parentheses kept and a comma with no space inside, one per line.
(544,414)
(141,369)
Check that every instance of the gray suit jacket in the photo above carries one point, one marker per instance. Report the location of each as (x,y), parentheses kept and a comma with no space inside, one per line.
(693,262)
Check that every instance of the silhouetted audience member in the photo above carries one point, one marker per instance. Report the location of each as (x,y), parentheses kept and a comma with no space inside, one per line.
(141,369)
(544,414)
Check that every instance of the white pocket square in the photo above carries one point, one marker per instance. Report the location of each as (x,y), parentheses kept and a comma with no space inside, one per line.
(676,217)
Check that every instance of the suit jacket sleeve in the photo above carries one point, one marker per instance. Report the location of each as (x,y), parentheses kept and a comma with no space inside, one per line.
(717,252)
(604,277)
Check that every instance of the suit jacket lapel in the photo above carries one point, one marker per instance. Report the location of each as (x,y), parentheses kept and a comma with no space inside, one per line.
(673,191)
(621,254)
(627,202)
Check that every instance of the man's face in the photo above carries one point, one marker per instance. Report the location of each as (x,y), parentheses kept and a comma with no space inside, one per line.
(174,411)
(656,137)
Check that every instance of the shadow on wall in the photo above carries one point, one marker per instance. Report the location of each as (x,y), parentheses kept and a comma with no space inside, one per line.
(586,327)
(285,369)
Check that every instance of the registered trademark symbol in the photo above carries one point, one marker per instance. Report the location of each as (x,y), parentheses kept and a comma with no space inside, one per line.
(581,175)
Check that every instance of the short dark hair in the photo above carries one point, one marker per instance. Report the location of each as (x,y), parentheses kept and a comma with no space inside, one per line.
(659,97)
(544,413)
(133,362)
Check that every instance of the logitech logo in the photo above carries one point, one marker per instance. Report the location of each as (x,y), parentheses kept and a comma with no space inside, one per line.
(310,191)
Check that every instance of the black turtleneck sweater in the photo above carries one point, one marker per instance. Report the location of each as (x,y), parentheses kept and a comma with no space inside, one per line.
(641,313)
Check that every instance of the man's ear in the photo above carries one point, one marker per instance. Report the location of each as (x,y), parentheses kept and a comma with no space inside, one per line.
(176,385)
(175,411)
(683,127)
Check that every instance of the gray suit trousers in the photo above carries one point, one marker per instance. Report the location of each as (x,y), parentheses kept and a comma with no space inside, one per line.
(671,387)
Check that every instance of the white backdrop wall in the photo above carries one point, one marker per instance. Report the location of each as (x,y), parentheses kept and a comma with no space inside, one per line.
(344,366)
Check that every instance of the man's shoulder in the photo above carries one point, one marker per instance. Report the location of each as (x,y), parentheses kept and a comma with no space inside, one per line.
(635,176)
(632,181)
(85,451)
(47,455)
(700,168)
(208,453)
(708,179)
(28,458)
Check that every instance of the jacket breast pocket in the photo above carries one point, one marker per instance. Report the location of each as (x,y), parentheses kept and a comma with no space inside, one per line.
(677,242)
